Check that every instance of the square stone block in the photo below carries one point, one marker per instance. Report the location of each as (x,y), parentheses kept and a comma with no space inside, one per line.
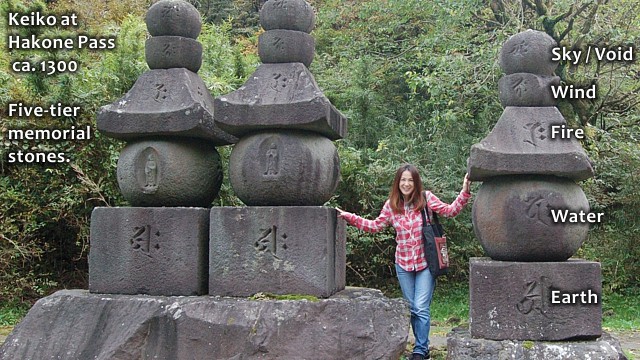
(535,300)
(149,250)
(279,250)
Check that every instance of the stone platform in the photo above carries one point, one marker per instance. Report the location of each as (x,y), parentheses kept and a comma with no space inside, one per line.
(356,323)
(461,346)
(528,300)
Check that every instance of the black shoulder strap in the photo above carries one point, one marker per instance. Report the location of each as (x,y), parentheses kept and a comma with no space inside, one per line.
(433,217)
(424,218)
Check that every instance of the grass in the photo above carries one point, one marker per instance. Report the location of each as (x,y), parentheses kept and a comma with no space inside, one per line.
(11,314)
(621,310)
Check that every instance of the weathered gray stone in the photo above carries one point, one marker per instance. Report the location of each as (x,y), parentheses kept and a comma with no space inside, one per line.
(279,96)
(277,168)
(181,172)
(173,18)
(286,46)
(163,102)
(524,89)
(355,324)
(287,14)
(513,220)
(167,52)
(528,52)
(520,143)
(461,346)
(279,250)
(156,251)
(515,300)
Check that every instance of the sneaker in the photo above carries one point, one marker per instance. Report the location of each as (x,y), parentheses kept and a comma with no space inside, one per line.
(416,356)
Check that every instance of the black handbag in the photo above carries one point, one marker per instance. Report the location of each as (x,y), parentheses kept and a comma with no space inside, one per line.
(435,244)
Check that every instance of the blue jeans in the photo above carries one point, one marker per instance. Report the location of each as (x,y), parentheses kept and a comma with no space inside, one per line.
(417,288)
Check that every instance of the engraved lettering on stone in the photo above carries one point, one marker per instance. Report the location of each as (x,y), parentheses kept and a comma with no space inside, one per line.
(280,4)
(536,131)
(272,160)
(535,297)
(144,240)
(167,49)
(269,241)
(278,43)
(279,82)
(161,92)
(520,49)
(538,209)
(519,85)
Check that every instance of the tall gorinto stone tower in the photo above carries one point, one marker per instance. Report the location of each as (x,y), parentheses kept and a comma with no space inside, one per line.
(284,167)
(169,171)
(530,217)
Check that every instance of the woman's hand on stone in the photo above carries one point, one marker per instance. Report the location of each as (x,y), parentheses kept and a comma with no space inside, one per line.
(466,184)
(341,213)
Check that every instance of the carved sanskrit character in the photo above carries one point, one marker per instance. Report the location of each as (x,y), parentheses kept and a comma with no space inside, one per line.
(535,297)
(537,133)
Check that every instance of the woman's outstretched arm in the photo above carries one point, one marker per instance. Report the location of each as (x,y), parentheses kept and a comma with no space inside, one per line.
(453,209)
(382,221)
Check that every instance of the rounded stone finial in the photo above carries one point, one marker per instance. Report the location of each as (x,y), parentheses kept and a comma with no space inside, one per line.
(173,18)
(528,52)
(287,15)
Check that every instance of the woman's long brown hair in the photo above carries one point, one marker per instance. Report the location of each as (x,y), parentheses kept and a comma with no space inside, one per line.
(396,199)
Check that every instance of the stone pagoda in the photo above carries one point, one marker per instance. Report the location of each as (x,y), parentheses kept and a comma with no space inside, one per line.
(284,167)
(529,174)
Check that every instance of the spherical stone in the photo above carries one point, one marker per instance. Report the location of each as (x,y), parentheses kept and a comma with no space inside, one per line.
(526,89)
(173,18)
(286,46)
(528,52)
(169,173)
(284,169)
(513,218)
(287,14)
(168,52)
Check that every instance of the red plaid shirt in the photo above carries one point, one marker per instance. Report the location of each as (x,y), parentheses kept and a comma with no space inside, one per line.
(408,226)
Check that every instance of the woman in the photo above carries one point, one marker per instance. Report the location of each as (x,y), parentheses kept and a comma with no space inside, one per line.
(402,210)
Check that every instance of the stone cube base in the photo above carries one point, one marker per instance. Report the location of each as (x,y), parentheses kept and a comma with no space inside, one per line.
(279,250)
(519,300)
(358,324)
(149,250)
(461,346)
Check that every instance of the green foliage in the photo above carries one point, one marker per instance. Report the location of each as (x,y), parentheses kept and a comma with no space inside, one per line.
(418,82)
(621,310)
(45,209)
(11,314)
